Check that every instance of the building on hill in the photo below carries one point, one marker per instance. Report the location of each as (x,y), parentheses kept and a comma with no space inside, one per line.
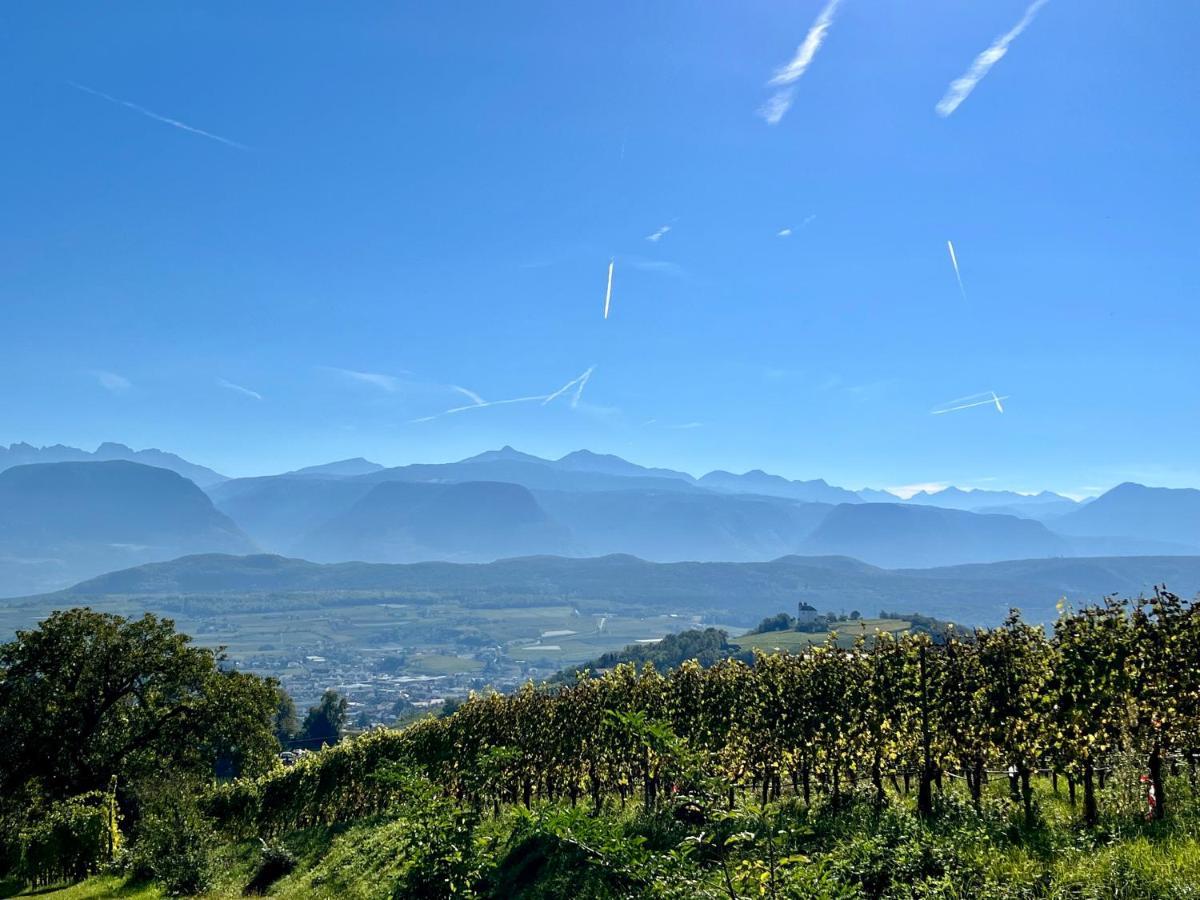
(806,613)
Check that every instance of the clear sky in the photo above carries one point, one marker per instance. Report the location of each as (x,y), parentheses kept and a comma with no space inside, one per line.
(428,195)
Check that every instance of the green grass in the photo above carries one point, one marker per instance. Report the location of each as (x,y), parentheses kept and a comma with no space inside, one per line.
(793,641)
(103,886)
(852,851)
(438,664)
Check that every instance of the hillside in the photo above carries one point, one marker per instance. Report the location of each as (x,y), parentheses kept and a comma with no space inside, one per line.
(970,594)
(407,522)
(26,454)
(1165,514)
(670,526)
(63,521)
(894,535)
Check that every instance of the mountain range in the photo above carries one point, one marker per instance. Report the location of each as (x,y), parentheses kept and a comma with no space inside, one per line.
(60,522)
(978,594)
(504,503)
(25,454)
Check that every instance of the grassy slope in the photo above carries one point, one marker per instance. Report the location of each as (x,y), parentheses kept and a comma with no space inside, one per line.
(961,854)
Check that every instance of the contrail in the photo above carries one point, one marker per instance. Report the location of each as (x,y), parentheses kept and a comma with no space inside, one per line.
(957,274)
(608,290)
(961,88)
(479,403)
(175,123)
(583,380)
(578,380)
(989,399)
(779,103)
(245,391)
(470,395)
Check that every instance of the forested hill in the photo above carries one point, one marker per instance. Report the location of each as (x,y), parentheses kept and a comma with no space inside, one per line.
(969,594)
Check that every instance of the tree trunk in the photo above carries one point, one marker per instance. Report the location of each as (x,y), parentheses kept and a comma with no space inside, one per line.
(594,785)
(877,781)
(1026,794)
(1090,814)
(925,794)
(1156,781)
(1071,789)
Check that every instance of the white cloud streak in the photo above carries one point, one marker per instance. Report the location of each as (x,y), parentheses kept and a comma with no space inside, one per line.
(784,232)
(960,88)
(986,398)
(657,236)
(388,383)
(957,274)
(237,388)
(608,290)
(470,395)
(112,382)
(777,106)
(174,123)
(479,403)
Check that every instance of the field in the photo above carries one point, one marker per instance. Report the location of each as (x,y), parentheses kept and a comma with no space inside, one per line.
(793,641)
(381,648)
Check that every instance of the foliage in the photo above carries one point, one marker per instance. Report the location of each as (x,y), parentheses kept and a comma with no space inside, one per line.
(71,839)
(174,842)
(324,723)
(88,696)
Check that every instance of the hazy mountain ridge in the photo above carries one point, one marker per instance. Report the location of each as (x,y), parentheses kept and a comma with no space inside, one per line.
(507,503)
(63,521)
(26,454)
(397,521)
(975,594)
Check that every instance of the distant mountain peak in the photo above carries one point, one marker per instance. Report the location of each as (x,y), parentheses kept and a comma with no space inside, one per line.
(26,454)
(507,453)
(341,468)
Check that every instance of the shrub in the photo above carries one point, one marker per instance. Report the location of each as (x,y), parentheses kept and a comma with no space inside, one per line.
(174,845)
(71,840)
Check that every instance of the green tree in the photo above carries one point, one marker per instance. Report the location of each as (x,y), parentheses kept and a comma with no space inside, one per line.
(324,723)
(87,696)
(287,721)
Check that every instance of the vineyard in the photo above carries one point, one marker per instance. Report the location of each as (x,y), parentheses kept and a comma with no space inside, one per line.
(902,765)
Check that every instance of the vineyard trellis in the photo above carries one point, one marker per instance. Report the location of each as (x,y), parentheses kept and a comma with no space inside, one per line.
(1116,678)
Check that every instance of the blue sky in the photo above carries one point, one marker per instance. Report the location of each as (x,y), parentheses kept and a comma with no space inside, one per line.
(430,194)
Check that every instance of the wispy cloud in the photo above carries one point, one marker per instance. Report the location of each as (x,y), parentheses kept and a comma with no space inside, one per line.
(389,383)
(661,266)
(984,398)
(470,395)
(961,88)
(111,381)
(174,123)
(686,426)
(777,106)
(237,388)
(657,235)
(787,232)
(479,403)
